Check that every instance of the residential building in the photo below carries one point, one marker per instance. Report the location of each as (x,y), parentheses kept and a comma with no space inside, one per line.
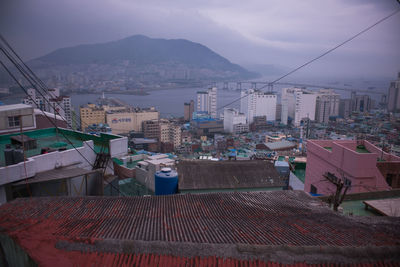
(234,122)
(57,163)
(367,167)
(164,131)
(12,116)
(259,124)
(327,105)
(297,104)
(345,108)
(360,103)
(207,101)
(170,133)
(256,103)
(188,110)
(52,102)
(207,127)
(91,114)
(151,129)
(61,105)
(393,102)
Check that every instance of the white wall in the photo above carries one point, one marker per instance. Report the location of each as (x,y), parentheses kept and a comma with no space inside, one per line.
(232,117)
(258,104)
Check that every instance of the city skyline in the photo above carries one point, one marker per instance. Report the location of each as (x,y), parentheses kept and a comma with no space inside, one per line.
(282,34)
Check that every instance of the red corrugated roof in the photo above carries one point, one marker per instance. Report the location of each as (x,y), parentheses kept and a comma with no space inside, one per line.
(266,219)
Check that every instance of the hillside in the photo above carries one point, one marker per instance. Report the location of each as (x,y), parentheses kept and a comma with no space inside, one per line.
(141,56)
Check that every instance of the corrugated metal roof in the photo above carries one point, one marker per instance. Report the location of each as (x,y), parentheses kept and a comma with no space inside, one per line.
(280,145)
(120,259)
(57,174)
(198,174)
(263,221)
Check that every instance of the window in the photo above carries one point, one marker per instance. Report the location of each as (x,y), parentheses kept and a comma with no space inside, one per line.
(13,121)
(389,178)
(313,190)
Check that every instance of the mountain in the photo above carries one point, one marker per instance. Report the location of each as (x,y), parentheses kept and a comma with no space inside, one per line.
(139,55)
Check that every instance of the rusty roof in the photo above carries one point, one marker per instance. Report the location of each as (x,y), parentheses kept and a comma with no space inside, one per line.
(281,226)
(204,174)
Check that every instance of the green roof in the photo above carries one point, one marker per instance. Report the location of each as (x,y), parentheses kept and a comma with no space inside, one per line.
(357,207)
(55,139)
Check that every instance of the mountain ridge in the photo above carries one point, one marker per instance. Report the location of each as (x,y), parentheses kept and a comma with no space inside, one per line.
(140,50)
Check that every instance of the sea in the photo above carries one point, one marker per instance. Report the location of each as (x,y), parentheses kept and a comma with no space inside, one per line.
(170,101)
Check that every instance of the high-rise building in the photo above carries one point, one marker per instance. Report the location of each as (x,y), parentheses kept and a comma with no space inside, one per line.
(151,129)
(170,133)
(61,105)
(256,103)
(164,131)
(207,101)
(188,111)
(52,102)
(394,96)
(327,105)
(234,122)
(298,104)
(360,103)
(91,114)
(345,108)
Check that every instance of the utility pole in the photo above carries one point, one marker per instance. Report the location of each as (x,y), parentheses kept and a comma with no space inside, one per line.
(338,197)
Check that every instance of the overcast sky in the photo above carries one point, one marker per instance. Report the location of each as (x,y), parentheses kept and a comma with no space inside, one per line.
(279,32)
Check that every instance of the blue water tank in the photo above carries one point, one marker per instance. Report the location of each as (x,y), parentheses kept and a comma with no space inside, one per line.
(166,182)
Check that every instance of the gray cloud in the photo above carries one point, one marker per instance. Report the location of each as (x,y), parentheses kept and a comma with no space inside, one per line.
(286,33)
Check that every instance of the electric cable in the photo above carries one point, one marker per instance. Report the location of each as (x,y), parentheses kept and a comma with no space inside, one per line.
(50,120)
(320,56)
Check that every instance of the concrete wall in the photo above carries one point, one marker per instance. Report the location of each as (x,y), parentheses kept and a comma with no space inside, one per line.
(46,162)
(28,120)
(343,160)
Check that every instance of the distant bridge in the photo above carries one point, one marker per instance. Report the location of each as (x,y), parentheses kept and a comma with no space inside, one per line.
(270,86)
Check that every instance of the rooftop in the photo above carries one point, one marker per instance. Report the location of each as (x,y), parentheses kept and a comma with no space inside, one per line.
(281,226)
(284,144)
(50,138)
(199,174)
(13,107)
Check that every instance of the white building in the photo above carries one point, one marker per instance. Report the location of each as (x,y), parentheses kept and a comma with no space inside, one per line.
(234,122)
(51,102)
(62,105)
(327,105)
(298,104)
(258,103)
(207,101)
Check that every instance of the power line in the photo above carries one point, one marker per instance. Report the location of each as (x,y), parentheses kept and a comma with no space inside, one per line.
(50,120)
(33,83)
(320,56)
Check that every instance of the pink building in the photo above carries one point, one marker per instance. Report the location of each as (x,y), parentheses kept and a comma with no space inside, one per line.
(361,162)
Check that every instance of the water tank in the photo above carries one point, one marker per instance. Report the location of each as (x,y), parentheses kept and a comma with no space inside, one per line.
(283,168)
(9,155)
(166,182)
(18,155)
